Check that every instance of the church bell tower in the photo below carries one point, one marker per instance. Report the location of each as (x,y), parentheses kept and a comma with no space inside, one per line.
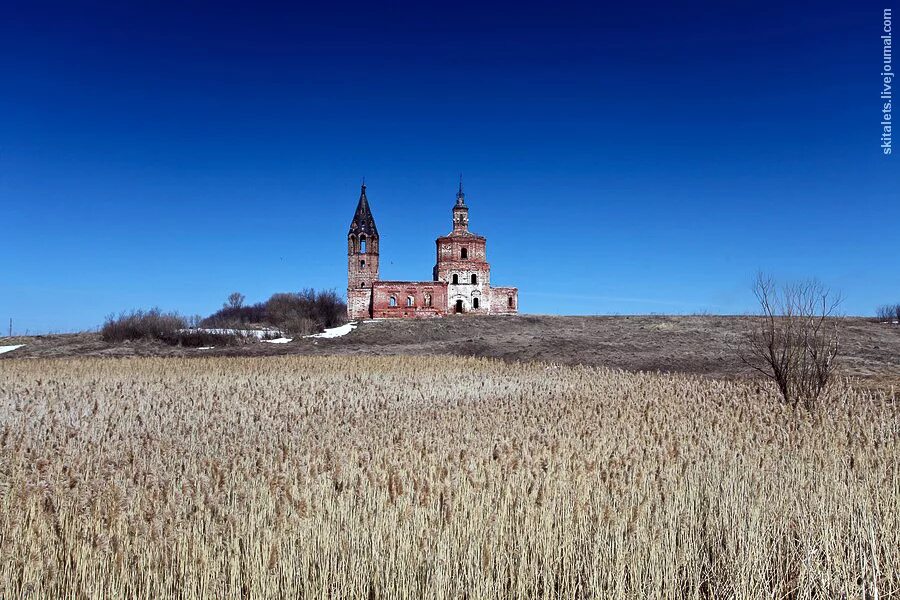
(362,259)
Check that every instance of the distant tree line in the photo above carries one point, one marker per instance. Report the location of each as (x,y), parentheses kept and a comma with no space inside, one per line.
(294,313)
(299,313)
(167,327)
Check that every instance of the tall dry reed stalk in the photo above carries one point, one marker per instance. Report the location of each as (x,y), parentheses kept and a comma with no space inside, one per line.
(389,477)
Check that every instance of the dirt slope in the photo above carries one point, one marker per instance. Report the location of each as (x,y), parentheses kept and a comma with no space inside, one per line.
(701,345)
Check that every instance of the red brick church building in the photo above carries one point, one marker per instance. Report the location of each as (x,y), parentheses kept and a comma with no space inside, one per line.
(461,282)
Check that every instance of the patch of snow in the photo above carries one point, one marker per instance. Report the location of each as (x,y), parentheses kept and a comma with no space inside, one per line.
(257,333)
(205,347)
(281,340)
(9,348)
(335,331)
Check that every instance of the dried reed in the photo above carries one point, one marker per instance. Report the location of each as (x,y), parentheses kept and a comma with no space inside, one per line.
(393,477)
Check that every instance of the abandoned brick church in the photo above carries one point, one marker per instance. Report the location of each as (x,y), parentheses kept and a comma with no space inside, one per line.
(461,282)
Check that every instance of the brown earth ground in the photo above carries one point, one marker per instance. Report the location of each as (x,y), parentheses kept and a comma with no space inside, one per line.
(703,345)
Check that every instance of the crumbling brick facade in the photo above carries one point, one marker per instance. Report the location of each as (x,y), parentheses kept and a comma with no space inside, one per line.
(399,299)
(461,279)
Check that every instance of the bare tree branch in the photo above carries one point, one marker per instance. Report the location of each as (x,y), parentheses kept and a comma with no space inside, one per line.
(795,339)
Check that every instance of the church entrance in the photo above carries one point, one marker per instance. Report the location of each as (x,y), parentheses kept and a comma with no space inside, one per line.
(459,307)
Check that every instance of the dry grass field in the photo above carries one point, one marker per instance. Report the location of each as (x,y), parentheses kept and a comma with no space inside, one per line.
(436,477)
(698,345)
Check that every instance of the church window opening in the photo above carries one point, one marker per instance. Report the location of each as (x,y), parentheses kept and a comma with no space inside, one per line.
(362,245)
(428,300)
(409,301)
(455,278)
(464,253)
(362,264)
(474,278)
(363,284)
(510,302)
(474,302)
(392,301)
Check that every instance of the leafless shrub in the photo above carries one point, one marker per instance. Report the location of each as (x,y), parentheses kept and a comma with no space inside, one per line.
(298,325)
(795,339)
(196,338)
(151,324)
(330,308)
(170,328)
(887,313)
(306,311)
(238,317)
(298,313)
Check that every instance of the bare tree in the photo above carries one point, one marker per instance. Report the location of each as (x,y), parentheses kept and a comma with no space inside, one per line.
(795,339)
(235,300)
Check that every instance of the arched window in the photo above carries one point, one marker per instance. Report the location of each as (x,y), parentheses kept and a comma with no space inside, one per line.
(392,301)
(428,300)
(410,301)
(363,284)
(353,247)
(362,264)
(464,253)
(455,278)
(474,278)
(474,302)
(510,302)
(362,244)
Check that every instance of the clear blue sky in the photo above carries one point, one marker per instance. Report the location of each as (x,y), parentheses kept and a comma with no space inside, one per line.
(627,158)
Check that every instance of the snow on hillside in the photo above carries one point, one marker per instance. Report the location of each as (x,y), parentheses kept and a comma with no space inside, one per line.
(335,331)
(257,333)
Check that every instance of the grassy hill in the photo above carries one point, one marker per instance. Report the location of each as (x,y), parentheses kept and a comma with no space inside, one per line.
(705,345)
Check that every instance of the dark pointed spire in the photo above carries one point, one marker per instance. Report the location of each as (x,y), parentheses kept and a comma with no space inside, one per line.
(460,196)
(363,221)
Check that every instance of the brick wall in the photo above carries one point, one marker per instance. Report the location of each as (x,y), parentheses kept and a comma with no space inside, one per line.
(359,303)
(500,300)
(427,299)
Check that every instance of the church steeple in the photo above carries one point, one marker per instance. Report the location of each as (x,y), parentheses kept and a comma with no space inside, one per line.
(363,222)
(460,196)
(362,247)
(460,211)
